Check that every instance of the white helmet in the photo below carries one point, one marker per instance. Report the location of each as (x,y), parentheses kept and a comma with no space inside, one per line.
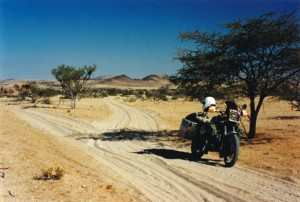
(207,102)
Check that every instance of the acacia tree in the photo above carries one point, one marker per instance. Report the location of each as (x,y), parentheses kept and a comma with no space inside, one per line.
(254,58)
(73,80)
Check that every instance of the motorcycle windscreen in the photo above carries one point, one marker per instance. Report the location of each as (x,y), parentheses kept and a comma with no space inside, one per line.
(187,129)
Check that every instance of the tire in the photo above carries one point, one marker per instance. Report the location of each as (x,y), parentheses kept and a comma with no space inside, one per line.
(231,150)
(198,143)
(198,148)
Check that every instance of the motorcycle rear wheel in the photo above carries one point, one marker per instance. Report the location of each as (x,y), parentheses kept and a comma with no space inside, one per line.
(231,152)
(198,148)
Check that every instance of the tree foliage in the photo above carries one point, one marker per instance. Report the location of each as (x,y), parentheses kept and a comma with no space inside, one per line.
(32,90)
(73,80)
(291,93)
(254,58)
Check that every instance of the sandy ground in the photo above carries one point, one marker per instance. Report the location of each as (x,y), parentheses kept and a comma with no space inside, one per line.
(26,149)
(123,157)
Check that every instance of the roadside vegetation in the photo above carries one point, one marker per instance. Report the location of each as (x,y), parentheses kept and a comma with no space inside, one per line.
(41,93)
(163,93)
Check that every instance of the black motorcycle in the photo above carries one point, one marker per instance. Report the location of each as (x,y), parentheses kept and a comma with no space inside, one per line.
(220,134)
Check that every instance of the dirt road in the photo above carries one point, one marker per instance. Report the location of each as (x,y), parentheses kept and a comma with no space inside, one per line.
(160,171)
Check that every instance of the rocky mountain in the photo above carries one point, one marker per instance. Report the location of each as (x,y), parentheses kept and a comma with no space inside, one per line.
(123,80)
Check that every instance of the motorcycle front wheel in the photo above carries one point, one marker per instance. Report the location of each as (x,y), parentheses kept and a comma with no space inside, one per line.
(231,150)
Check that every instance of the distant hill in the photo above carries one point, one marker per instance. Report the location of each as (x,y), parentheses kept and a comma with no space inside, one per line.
(152,77)
(150,81)
(103,77)
(122,77)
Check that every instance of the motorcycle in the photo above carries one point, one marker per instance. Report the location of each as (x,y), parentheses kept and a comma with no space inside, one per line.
(220,134)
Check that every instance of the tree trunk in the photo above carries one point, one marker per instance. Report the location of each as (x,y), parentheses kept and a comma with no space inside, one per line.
(74,99)
(298,103)
(252,128)
(254,115)
(253,119)
(73,105)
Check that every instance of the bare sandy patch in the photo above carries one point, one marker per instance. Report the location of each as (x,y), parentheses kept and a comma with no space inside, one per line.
(87,109)
(26,151)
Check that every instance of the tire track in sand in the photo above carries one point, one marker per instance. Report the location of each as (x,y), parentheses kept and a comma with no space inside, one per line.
(125,116)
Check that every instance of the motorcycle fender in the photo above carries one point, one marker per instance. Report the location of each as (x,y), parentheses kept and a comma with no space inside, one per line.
(231,133)
(234,133)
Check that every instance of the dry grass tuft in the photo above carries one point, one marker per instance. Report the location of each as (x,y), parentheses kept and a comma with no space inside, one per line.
(50,174)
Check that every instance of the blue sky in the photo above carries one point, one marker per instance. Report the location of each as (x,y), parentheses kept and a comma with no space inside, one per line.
(130,37)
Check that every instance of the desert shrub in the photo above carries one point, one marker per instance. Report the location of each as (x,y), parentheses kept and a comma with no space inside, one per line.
(131,94)
(104,92)
(113,91)
(156,95)
(30,89)
(7,91)
(34,91)
(140,94)
(46,100)
(127,92)
(50,174)
(49,92)
(131,98)
(17,87)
